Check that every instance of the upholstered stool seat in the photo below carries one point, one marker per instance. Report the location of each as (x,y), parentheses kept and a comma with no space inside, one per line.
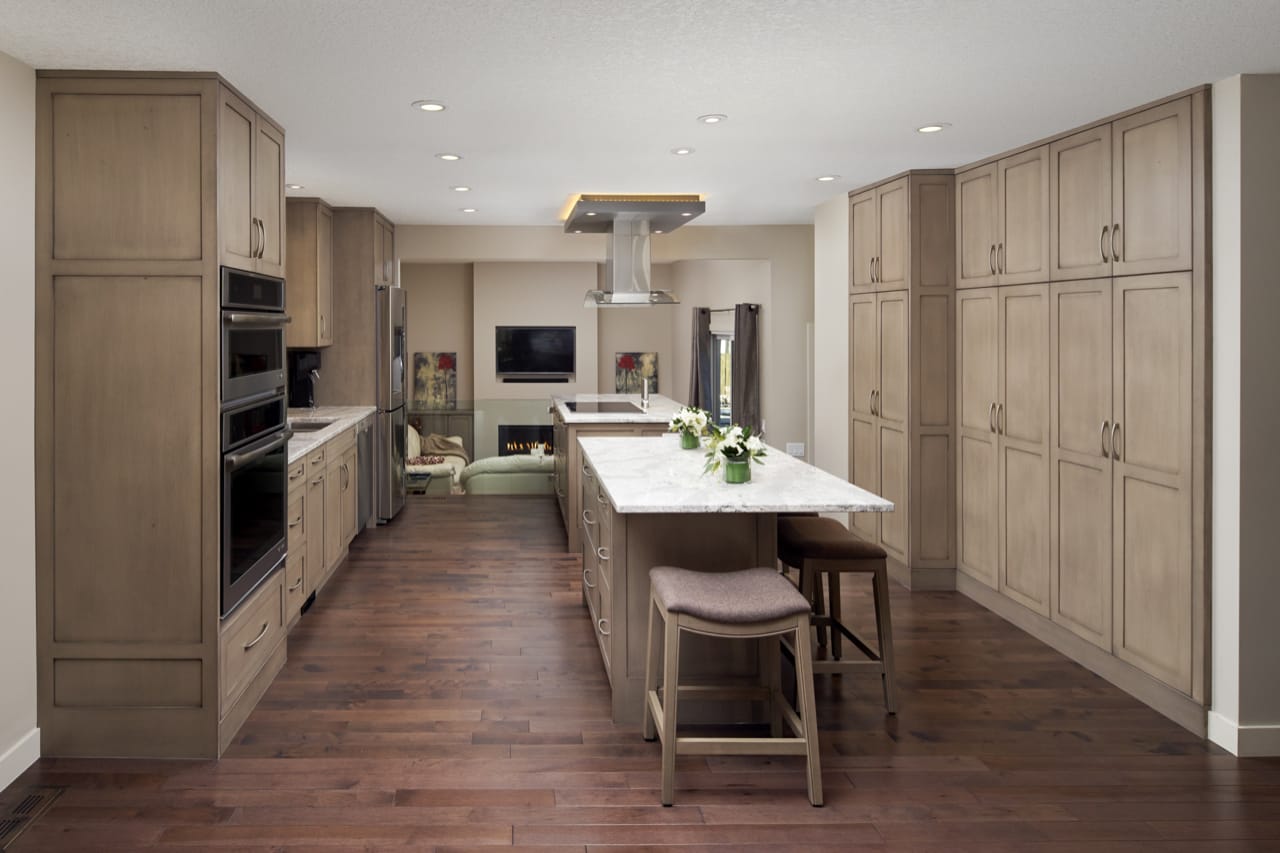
(757,604)
(822,547)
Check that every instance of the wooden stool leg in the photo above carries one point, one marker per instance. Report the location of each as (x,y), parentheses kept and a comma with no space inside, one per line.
(814,577)
(808,712)
(651,664)
(670,702)
(771,670)
(884,633)
(833,607)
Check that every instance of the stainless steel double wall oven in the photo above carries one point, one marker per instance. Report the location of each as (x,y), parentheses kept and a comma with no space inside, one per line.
(255,432)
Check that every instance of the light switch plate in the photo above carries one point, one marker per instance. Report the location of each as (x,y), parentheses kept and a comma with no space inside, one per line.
(795,448)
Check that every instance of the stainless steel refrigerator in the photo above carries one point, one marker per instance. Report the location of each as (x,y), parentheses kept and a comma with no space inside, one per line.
(390,429)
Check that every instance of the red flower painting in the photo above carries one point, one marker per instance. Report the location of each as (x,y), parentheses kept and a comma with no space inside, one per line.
(435,380)
(445,361)
(632,368)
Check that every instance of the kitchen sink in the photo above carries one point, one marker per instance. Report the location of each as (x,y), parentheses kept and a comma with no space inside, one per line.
(308,426)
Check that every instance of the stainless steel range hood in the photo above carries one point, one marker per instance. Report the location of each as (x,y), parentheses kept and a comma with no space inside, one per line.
(627,222)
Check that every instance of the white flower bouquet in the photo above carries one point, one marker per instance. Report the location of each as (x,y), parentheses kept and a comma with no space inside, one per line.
(689,420)
(733,444)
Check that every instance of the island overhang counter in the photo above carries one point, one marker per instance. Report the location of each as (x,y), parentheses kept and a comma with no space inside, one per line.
(646,502)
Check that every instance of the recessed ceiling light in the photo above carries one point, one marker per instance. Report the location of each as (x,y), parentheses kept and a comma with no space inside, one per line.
(468,210)
(686,213)
(429,106)
(461,189)
(681,151)
(933,128)
(657,231)
(294,187)
(827,178)
(577,231)
(449,156)
(713,118)
(591,213)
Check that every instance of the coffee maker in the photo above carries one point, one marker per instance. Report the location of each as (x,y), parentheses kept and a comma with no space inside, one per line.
(304,370)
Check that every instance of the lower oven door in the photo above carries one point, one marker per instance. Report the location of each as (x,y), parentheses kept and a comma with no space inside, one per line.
(254,495)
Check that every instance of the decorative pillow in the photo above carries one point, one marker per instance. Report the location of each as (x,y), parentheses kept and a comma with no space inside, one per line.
(413,443)
(425,460)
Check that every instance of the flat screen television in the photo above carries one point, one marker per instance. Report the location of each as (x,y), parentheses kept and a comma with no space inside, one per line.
(534,352)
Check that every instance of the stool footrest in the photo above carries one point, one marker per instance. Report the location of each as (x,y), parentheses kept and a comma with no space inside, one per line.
(740,746)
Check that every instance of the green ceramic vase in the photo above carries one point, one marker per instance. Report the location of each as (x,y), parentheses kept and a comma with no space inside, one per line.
(689,440)
(737,471)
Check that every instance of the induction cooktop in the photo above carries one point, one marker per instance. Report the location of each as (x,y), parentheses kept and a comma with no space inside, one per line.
(603,407)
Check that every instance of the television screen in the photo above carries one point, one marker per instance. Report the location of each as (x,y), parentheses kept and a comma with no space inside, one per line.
(535,350)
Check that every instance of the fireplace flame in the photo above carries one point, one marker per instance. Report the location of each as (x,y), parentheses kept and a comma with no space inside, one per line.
(526,446)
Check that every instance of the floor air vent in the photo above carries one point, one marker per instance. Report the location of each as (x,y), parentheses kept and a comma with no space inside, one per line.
(30,805)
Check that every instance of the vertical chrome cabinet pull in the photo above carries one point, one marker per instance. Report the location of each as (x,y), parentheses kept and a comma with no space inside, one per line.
(262,244)
(1102,243)
(1106,451)
(1115,441)
(871,401)
(991,259)
(1000,258)
(1000,418)
(1115,235)
(991,417)
(871,269)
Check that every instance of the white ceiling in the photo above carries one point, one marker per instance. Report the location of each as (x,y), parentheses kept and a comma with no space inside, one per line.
(551,97)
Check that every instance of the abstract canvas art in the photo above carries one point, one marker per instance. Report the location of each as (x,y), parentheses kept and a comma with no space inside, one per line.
(435,380)
(632,368)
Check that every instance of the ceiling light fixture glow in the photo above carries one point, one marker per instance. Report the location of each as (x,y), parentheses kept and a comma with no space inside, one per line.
(294,187)
(713,118)
(680,152)
(449,157)
(468,210)
(933,128)
(591,213)
(827,178)
(429,106)
(461,189)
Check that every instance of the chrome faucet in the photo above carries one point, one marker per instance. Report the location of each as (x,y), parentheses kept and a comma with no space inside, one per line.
(644,394)
(315,377)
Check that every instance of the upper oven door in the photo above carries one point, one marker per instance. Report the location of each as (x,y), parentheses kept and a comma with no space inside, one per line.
(252,353)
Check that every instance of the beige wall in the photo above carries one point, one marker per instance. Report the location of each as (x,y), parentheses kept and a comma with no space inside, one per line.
(19,738)
(787,248)
(831,336)
(439,299)
(1246,415)
(640,330)
(533,294)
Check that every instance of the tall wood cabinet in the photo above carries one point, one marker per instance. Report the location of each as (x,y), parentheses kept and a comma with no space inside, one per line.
(145,184)
(900,369)
(1002,214)
(309,294)
(1081,401)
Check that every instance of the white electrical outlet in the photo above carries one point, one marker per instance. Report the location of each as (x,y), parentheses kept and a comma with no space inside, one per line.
(795,448)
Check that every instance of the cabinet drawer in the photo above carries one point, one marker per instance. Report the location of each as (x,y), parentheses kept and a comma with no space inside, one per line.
(316,460)
(297,476)
(604,621)
(604,513)
(340,443)
(249,637)
(296,522)
(295,586)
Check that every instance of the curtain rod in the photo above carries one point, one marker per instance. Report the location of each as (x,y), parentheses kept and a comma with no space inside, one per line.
(731,310)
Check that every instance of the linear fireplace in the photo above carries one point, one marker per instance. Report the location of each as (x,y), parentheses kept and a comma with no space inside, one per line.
(516,439)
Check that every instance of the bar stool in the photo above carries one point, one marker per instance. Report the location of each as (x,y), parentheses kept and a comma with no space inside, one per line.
(822,546)
(755,604)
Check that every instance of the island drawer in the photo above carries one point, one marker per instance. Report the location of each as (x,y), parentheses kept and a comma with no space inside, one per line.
(602,618)
(297,476)
(591,585)
(249,637)
(315,461)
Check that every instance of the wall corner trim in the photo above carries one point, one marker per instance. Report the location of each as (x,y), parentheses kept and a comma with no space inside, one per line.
(20,755)
(1249,741)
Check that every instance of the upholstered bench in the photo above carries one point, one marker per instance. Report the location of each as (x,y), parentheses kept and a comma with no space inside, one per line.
(522,474)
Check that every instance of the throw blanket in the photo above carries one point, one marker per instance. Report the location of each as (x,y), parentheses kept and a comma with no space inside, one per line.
(438,445)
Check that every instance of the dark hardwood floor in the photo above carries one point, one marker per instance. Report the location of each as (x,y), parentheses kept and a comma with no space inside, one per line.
(445,692)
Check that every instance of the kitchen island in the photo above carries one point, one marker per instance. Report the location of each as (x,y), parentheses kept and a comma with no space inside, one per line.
(580,415)
(647,503)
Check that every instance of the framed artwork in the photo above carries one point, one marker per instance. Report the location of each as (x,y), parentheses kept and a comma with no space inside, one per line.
(632,368)
(435,380)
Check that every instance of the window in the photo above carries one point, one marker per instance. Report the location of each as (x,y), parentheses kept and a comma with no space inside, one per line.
(722,361)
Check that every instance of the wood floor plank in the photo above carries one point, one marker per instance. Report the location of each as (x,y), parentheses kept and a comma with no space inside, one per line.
(445,692)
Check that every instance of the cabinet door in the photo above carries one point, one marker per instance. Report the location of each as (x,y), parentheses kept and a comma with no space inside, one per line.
(1080,342)
(349,495)
(976,222)
(1080,205)
(268,197)
(864,471)
(332,516)
(314,522)
(892,393)
(863,241)
(1022,245)
(1151,190)
(864,353)
(977,366)
(1022,423)
(893,258)
(1151,452)
(237,233)
(324,276)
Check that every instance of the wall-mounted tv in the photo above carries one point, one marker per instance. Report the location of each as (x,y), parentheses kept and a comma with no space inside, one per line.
(535,352)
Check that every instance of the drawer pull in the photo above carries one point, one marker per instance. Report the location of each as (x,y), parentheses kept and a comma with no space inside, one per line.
(600,497)
(258,639)
(295,587)
(587,519)
(602,553)
(585,582)
(295,522)
(602,625)
(317,481)
(296,475)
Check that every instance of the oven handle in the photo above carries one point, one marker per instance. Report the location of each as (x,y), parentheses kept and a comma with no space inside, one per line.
(236,461)
(237,319)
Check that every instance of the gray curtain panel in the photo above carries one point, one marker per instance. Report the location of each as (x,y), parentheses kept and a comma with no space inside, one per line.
(701,387)
(746,365)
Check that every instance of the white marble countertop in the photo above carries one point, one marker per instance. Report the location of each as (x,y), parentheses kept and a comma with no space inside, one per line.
(660,409)
(653,474)
(343,417)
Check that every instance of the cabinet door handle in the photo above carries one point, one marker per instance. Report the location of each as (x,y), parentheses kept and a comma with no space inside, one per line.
(1106,451)
(602,625)
(1000,259)
(262,244)
(587,519)
(871,401)
(1102,243)
(585,574)
(871,269)
(324,327)
(1115,441)
(294,588)
(257,639)
(253,237)
(1000,418)
(602,553)
(1115,235)
(991,259)
(991,417)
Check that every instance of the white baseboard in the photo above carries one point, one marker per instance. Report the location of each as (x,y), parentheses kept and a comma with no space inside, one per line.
(1244,741)
(18,757)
